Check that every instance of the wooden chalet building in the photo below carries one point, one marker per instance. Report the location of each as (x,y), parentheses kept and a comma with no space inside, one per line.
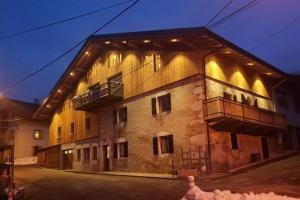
(159,101)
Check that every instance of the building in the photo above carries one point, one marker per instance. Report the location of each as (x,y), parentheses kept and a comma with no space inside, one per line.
(160,101)
(20,134)
(287,101)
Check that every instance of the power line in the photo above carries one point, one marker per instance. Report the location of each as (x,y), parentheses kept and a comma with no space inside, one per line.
(236,12)
(69,50)
(280,30)
(220,11)
(62,21)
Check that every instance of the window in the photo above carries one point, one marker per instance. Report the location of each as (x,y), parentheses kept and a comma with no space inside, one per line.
(281,99)
(59,132)
(72,128)
(121,150)
(161,104)
(37,135)
(78,154)
(86,154)
(120,115)
(297,103)
(234,141)
(95,153)
(163,144)
(87,124)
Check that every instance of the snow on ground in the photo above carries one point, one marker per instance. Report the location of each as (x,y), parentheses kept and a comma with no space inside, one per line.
(26,161)
(196,193)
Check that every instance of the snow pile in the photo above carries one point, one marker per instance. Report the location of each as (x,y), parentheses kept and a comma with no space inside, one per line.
(26,161)
(196,193)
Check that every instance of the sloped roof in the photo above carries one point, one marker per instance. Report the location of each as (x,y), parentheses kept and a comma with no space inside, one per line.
(18,108)
(190,38)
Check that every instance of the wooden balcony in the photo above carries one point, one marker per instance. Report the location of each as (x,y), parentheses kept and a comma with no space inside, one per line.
(99,96)
(228,115)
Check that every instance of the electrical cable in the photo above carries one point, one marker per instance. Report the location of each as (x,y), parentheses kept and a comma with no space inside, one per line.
(220,11)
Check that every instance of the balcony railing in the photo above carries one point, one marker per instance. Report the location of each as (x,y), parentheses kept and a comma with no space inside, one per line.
(98,95)
(219,108)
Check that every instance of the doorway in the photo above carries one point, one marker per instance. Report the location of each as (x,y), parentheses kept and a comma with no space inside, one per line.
(105,157)
(265,148)
(68,159)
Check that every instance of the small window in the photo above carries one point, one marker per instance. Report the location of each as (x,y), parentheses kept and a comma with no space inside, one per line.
(163,144)
(72,128)
(120,115)
(37,135)
(161,104)
(86,154)
(281,99)
(121,150)
(95,153)
(78,154)
(87,123)
(234,141)
(59,132)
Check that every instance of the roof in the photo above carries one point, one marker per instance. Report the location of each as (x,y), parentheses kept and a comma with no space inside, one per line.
(18,108)
(190,38)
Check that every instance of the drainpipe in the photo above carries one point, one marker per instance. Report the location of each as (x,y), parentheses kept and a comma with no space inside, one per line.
(205,97)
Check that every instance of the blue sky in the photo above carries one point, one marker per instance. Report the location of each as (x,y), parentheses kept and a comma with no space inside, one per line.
(23,54)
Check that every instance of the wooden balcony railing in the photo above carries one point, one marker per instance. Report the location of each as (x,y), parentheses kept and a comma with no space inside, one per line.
(221,108)
(98,95)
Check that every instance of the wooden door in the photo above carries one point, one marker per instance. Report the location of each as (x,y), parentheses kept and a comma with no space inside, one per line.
(68,159)
(106,157)
(265,147)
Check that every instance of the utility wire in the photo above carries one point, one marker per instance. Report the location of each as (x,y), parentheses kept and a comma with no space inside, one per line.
(69,50)
(220,11)
(61,21)
(280,30)
(236,12)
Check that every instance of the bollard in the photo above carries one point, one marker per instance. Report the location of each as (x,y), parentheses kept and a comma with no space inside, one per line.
(194,192)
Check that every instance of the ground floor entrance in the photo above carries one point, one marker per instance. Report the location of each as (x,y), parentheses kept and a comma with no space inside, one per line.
(68,159)
(105,157)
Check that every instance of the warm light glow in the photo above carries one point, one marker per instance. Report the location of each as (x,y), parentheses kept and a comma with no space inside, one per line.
(48,106)
(214,70)
(59,91)
(147,41)
(269,73)
(87,53)
(72,74)
(238,79)
(259,87)
(107,42)
(124,41)
(174,40)
(227,52)
(250,64)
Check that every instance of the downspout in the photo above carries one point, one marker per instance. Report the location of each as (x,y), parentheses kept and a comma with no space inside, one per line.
(205,97)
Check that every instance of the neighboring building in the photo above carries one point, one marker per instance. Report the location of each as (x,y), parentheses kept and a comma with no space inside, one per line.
(288,102)
(19,132)
(159,101)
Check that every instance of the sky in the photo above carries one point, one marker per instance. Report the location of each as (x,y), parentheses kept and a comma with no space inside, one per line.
(21,55)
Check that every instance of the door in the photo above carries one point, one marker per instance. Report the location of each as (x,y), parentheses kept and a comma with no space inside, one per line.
(106,157)
(265,148)
(68,159)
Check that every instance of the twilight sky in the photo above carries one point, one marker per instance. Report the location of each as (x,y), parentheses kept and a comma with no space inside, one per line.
(21,55)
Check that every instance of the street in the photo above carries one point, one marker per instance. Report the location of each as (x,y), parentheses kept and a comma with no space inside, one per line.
(280,177)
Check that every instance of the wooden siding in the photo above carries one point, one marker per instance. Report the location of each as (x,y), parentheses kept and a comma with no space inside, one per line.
(138,77)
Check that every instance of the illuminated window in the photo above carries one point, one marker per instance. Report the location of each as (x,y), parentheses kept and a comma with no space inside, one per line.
(114,58)
(163,144)
(37,135)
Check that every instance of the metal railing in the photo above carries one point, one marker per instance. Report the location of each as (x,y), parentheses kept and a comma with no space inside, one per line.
(98,92)
(220,107)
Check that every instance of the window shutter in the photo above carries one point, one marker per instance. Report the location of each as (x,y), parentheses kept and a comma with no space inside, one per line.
(170,142)
(168,102)
(155,146)
(126,149)
(115,150)
(153,101)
